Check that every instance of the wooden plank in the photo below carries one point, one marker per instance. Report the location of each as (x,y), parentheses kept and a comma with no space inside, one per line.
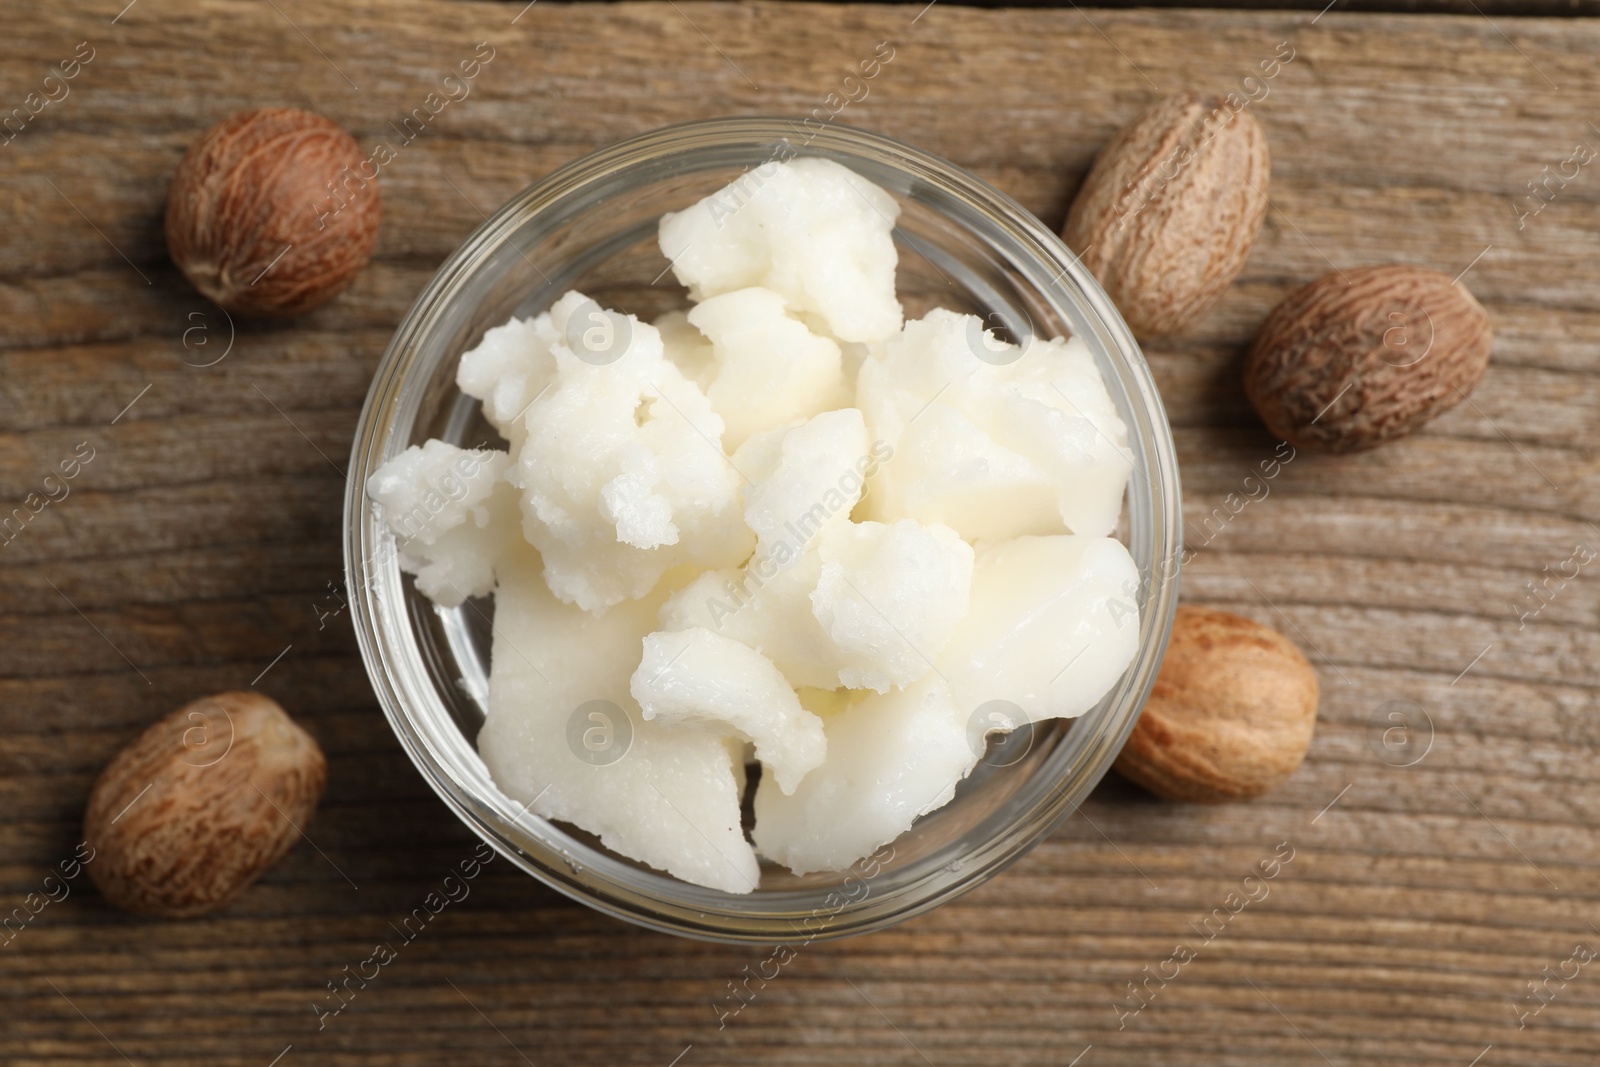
(1478,8)
(194,546)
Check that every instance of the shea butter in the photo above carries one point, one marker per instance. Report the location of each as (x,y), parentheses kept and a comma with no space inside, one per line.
(780,525)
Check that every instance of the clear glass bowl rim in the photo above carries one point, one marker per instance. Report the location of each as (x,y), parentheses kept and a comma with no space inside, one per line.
(600,881)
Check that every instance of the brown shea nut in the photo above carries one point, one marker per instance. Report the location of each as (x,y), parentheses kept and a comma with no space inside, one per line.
(1170,210)
(201,804)
(1231,713)
(1365,356)
(270,212)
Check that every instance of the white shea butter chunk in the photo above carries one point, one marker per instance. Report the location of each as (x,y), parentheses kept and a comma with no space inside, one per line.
(1020,441)
(891,757)
(698,677)
(687,348)
(452,514)
(811,229)
(766,606)
(804,480)
(1052,624)
(620,465)
(770,369)
(671,799)
(513,363)
(889,597)
(870,606)
(829,601)
(759,456)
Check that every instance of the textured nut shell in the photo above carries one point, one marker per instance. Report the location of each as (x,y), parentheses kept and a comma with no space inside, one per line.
(1353,360)
(254,185)
(1167,237)
(230,777)
(1231,713)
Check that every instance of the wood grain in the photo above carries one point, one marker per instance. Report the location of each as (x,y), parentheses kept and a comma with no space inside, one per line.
(1480,8)
(198,543)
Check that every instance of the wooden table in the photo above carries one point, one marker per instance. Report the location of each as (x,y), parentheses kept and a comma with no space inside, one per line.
(196,548)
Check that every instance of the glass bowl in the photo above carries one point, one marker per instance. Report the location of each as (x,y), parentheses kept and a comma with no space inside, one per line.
(592,226)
